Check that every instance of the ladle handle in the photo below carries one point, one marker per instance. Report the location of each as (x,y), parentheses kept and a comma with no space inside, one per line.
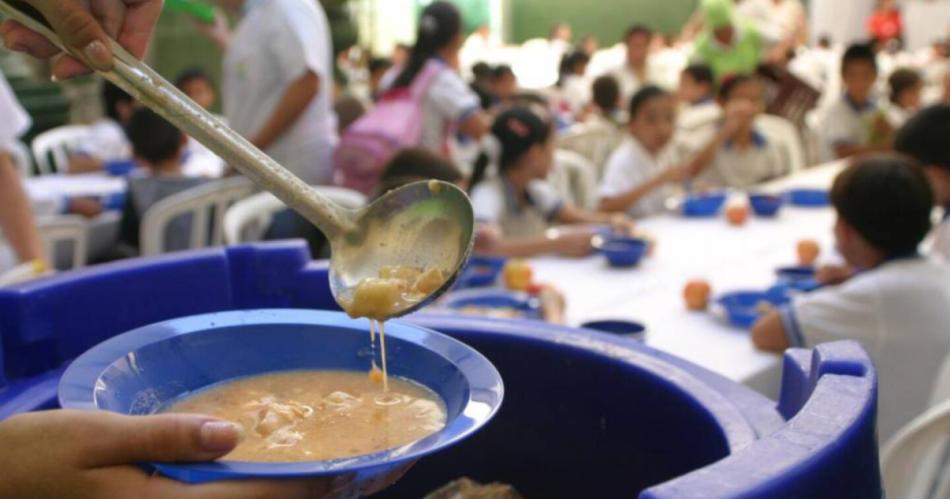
(147,86)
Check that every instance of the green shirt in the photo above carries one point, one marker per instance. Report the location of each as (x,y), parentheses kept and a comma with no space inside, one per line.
(741,58)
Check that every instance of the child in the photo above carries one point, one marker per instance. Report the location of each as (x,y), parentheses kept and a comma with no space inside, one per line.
(378,67)
(855,124)
(924,138)
(575,89)
(416,164)
(636,72)
(697,96)
(520,202)
(897,306)
(606,100)
(906,86)
(158,147)
(504,83)
(196,84)
(635,181)
(727,45)
(106,143)
(739,155)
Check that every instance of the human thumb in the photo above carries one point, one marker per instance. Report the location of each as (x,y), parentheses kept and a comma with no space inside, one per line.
(80,31)
(165,438)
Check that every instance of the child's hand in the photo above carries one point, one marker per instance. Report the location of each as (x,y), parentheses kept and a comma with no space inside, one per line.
(834,274)
(487,237)
(676,174)
(574,243)
(87,207)
(621,224)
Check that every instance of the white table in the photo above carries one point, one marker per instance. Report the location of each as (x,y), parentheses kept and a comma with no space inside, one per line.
(729,258)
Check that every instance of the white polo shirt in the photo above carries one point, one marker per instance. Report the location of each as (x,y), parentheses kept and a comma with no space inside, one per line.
(776,21)
(495,201)
(14,124)
(845,123)
(449,102)
(899,313)
(629,166)
(106,141)
(630,83)
(744,168)
(276,43)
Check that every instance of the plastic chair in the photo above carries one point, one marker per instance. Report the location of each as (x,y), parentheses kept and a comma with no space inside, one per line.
(594,141)
(21,158)
(248,219)
(573,176)
(915,461)
(51,148)
(787,137)
(202,203)
(72,229)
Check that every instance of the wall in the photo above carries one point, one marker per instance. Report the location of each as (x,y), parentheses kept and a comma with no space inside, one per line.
(606,19)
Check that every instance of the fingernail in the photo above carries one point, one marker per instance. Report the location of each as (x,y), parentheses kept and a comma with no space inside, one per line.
(218,435)
(98,55)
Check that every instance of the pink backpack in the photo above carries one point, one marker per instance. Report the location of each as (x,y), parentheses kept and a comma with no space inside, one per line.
(394,124)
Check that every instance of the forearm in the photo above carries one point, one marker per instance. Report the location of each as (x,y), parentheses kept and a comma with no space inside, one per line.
(847,150)
(81,163)
(623,202)
(575,215)
(16,216)
(524,248)
(292,104)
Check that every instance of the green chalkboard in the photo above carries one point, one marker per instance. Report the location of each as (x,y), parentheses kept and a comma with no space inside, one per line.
(475,13)
(605,19)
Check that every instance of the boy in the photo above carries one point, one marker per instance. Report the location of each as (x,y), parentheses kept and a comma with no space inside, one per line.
(636,71)
(897,306)
(855,124)
(924,138)
(697,98)
(158,147)
(905,87)
(106,146)
(197,84)
(504,84)
(605,93)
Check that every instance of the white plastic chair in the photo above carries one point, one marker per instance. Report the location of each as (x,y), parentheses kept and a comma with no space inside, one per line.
(914,461)
(203,201)
(56,230)
(51,148)
(786,135)
(248,219)
(21,158)
(573,177)
(593,141)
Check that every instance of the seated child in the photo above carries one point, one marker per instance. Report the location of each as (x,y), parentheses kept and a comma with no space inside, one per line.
(855,123)
(504,83)
(198,160)
(636,180)
(906,88)
(106,146)
(158,147)
(574,86)
(197,84)
(738,155)
(897,306)
(697,98)
(414,165)
(520,202)
(605,92)
(924,138)
(378,67)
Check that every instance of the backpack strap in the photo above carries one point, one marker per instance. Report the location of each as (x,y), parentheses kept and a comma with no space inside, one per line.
(422,82)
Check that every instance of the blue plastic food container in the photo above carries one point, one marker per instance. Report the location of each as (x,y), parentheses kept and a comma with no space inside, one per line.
(704,205)
(586,414)
(765,205)
(743,308)
(809,198)
(618,327)
(523,305)
(622,251)
(481,271)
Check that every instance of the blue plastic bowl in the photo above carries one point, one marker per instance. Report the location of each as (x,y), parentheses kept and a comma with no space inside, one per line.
(618,327)
(703,205)
(623,251)
(527,306)
(742,307)
(801,278)
(811,198)
(146,369)
(765,205)
(481,271)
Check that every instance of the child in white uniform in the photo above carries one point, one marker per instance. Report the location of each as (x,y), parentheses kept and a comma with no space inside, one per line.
(637,181)
(897,307)
(924,138)
(520,202)
(19,240)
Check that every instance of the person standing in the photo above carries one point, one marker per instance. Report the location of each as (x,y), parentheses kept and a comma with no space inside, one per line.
(277,88)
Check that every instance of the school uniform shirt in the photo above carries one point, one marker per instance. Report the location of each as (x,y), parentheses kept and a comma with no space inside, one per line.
(14,124)
(776,20)
(630,82)
(448,102)
(898,311)
(695,117)
(847,123)
(105,141)
(940,239)
(276,43)
(743,168)
(495,201)
(629,166)
(576,92)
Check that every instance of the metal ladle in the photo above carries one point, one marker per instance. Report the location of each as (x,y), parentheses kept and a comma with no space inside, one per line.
(422,225)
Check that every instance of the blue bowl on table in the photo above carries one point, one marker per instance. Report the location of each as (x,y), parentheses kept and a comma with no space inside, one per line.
(481,271)
(809,198)
(799,277)
(703,205)
(765,205)
(743,308)
(147,369)
(622,251)
(518,305)
(631,329)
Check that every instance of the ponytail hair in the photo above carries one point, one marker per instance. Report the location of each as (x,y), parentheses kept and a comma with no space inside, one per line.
(516,130)
(439,24)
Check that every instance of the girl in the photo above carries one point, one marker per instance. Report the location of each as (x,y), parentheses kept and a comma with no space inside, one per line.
(520,202)
(449,104)
(635,180)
